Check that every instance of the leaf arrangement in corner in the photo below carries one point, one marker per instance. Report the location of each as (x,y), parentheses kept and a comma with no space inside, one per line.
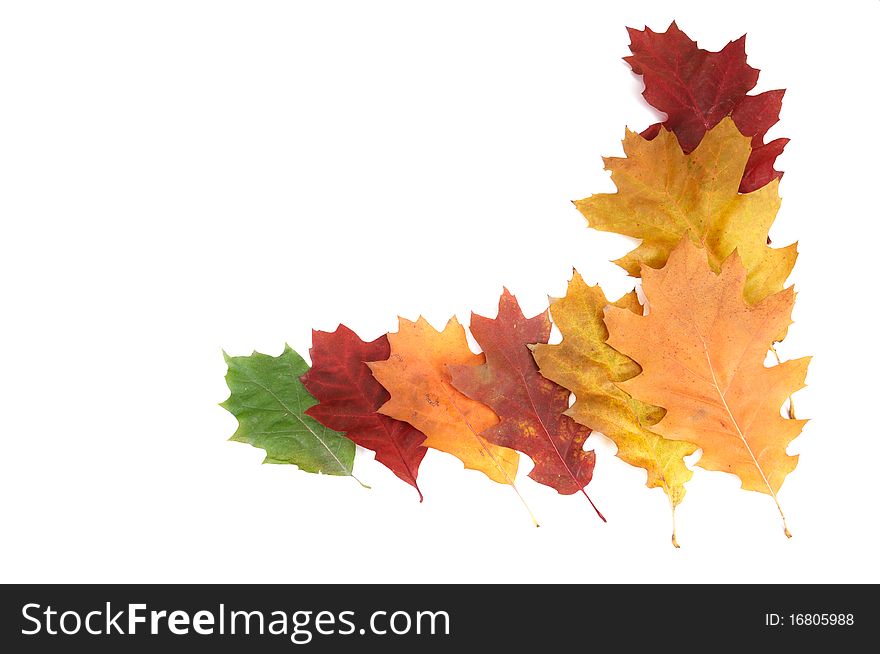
(684,372)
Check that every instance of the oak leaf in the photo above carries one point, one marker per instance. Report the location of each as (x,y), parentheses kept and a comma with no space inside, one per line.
(664,194)
(270,403)
(348,398)
(531,407)
(697,88)
(702,350)
(586,365)
(422,394)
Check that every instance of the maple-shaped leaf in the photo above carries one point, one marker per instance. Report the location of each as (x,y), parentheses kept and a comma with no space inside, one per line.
(531,407)
(696,88)
(421,391)
(702,350)
(270,403)
(586,365)
(664,194)
(348,398)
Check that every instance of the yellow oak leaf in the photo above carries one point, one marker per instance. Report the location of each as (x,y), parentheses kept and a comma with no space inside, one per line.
(422,394)
(587,366)
(702,350)
(663,194)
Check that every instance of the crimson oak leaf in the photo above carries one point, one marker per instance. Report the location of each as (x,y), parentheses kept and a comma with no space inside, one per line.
(348,398)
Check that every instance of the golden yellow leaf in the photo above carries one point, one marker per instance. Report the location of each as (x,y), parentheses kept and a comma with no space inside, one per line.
(586,365)
(702,350)
(663,194)
(422,394)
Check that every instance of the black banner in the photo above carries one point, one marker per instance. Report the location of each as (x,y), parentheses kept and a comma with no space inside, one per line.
(325,618)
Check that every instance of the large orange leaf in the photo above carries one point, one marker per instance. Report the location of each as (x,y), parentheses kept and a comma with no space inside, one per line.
(702,350)
(422,394)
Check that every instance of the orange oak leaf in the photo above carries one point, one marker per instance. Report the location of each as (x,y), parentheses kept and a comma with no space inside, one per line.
(422,394)
(531,407)
(702,350)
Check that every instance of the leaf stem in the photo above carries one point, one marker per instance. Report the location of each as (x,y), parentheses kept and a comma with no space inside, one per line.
(510,481)
(485,446)
(595,508)
(672,511)
(522,499)
(360,482)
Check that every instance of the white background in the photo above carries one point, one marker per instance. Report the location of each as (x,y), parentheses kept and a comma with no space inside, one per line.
(181,177)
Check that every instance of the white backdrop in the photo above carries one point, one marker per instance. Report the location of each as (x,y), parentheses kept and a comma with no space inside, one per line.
(181,177)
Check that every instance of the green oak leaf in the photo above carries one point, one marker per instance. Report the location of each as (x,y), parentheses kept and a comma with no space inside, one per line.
(269,401)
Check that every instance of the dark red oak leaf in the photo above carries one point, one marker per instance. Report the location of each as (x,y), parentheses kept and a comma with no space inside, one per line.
(348,396)
(531,407)
(696,88)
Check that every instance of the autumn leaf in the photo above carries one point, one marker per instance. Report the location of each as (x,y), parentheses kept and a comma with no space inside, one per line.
(702,350)
(348,398)
(586,365)
(531,407)
(697,88)
(269,401)
(422,394)
(664,194)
